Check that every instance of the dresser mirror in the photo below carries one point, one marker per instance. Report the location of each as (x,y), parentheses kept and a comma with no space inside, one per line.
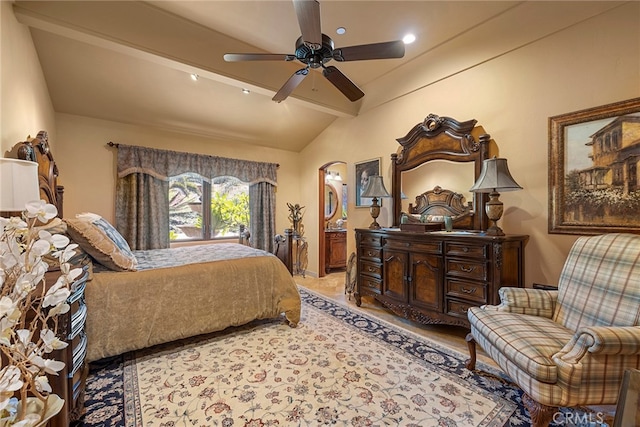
(440,154)
(456,176)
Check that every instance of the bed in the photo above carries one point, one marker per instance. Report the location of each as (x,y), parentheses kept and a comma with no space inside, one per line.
(167,294)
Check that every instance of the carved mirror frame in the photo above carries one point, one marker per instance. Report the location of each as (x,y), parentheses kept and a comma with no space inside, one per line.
(441,138)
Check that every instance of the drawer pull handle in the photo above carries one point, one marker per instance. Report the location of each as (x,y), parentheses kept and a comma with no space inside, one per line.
(467,269)
(468,291)
(465,249)
(371,269)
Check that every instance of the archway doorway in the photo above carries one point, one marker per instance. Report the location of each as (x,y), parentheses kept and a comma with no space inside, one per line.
(332,214)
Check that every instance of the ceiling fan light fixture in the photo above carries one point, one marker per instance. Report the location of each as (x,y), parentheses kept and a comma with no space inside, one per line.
(246,91)
(409,38)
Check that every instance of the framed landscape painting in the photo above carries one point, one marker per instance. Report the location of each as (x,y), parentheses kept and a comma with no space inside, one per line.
(594,157)
(364,170)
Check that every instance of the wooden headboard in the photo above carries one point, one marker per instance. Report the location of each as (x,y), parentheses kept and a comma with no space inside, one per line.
(37,150)
(441,138)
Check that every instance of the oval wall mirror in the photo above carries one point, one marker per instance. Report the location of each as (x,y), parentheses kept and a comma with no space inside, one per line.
(331,201)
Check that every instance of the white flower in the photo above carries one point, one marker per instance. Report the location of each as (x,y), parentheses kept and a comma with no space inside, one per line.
(51,341)
(42,384)
(41,210)
(56,295)
(10,379)
(47,365)
(58,241)
(22,281)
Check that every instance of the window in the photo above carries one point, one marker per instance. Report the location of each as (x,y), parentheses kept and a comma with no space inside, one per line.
(228,201)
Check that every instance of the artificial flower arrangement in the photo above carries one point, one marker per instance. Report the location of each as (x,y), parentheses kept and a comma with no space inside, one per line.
(29,311)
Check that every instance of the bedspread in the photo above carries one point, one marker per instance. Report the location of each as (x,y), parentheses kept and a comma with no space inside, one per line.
(133,310)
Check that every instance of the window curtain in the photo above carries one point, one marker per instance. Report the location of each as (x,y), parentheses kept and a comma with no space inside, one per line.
(142,191)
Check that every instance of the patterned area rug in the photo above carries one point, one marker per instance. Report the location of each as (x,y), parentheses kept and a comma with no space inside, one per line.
(338,367)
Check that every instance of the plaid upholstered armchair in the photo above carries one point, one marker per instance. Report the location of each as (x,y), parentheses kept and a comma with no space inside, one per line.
(568,347)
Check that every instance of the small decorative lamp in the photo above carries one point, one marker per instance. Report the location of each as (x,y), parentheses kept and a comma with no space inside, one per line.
(18,185)
(375,188)
(494,178)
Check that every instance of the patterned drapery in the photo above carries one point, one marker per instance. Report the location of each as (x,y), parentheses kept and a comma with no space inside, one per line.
(142,205)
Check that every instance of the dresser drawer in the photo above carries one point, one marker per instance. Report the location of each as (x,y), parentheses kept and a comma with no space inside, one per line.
(467,269)
(458,308)
(371,240)
(471,291)
(371,268)
(370,284)
(430,247)
(466,250)
(372,253)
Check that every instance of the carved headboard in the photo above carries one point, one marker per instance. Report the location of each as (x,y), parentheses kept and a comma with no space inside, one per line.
(37,150)
(441,138)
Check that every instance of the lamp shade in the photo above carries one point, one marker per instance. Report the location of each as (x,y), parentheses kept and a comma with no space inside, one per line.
(495,176)
(18,184)
(375,188)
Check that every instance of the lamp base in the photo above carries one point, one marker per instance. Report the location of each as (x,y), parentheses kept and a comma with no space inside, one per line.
(494,230)
(374,210)
(494,209)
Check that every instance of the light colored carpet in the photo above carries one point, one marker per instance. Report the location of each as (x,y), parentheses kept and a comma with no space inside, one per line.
(338,367)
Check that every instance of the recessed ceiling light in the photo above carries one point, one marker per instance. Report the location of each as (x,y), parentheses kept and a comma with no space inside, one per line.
(245,91)
(194,77)
(341,30)
(409,38)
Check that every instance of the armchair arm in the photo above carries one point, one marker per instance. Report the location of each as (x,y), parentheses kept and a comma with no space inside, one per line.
(535,302)
(608,340)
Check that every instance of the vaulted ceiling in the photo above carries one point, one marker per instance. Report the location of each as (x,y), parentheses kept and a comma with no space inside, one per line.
(131,62)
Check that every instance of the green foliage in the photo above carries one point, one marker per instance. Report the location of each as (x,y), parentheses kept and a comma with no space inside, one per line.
(228,212)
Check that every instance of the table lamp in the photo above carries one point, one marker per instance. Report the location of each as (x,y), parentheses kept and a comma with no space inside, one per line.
(375,188)
(494,178)
(18,185)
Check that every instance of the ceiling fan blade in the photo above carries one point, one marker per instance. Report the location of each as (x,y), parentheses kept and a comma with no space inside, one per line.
(385,50)
(290,85)
(342,82)
(308,13)
(234,57)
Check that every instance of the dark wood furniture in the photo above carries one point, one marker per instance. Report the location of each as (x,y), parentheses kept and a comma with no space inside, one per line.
(70,382)
(335,250)
(433,276)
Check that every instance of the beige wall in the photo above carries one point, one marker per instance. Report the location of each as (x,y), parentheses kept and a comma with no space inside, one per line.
(88,166)
(25,106)
(512,96)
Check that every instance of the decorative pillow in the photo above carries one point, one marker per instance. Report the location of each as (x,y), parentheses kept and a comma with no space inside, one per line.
(102,241)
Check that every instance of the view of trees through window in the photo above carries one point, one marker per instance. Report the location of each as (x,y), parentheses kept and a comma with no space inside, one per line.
(228,201)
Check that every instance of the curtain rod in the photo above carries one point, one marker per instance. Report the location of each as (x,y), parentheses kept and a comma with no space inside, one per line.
(115,144)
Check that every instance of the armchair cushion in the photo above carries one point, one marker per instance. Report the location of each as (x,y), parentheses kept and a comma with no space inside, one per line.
(529,342)
(535,302)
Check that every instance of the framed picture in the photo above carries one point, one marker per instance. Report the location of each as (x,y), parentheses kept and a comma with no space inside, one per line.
(364,170)
(594,184)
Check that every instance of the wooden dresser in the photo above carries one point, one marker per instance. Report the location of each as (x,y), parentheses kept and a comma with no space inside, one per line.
(70,383)
(434,277)
(335,249)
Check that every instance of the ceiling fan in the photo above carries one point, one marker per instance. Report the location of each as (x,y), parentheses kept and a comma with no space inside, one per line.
(315,49)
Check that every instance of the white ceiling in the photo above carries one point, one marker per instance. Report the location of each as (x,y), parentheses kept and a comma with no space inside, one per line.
(131,61)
